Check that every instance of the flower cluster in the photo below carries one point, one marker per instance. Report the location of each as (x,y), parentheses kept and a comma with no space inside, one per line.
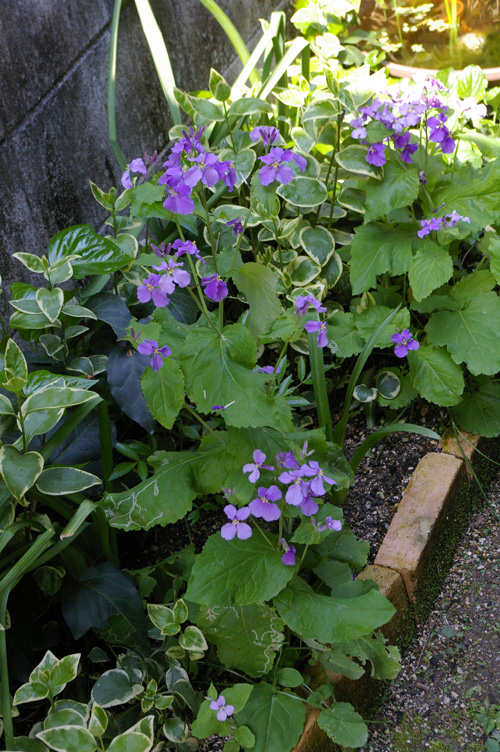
(276,165)
(404,342)
(170,274)
(189,164)
(304,482)
(302,305)
(398,113)
(440,223)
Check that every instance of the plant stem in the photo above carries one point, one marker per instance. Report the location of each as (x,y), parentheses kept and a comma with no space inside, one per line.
(263,533)
(340,117)
(204,424)
(21,421)
(201,302)
(4,674)
(300,562)
(319,385)
(226,118)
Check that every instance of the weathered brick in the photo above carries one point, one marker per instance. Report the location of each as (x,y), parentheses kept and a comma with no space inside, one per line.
(468,441)
(390,584)
(408,542)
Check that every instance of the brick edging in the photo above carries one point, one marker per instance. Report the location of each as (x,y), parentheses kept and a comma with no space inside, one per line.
(400,565)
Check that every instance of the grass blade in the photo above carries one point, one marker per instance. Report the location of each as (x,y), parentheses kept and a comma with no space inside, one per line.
(113,48)
(160,56)
(319,385)
(292,52)
(374,437)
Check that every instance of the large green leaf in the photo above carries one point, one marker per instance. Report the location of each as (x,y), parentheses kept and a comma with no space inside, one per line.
(218,371)
(96,255)
(384,659)
(275,718)
(15,370)
(431,267)
(318,243)
(344,725)
(343,333)
(435,376)
(247,637)
(479,411)
(399,187)
(237,572)
(474,194)
(114,687)
(329,619)
(470,335)
(160,500)
(376,249)
(259,283)
(368,321)
(68,739)
(58,481)
(164,391)
(303,191)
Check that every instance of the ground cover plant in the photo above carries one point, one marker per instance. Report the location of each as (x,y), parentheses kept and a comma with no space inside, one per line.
(323,240)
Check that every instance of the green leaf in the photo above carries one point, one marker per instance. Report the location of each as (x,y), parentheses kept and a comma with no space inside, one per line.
(98,722)
(399,187)
(259,283)
(247,637)
(344,725)
(266,203)
(388,384)
(328,619)
(49,579)
(435,376)
(68,739)
(95,254)
(471,82)
(219,86)
(160,500)
(218,371)
(164,391)
(479,411)
(64,717)
(19,471)
(303,192)
(376,249)
(192,639)
(15,370)
(384,659)
(243,162)
(343,333)
(249,106)
(276,719)
(30,261)
(431,267)
(470,335)
(6,406)
(58,481)
(318,243)
(50,302)
(163,618)
(56,398)
(353,159)
(175,729)
(237,572)
(368,321)
(289,677)
(474,194)
(303,270)
(114,687)
(130,741)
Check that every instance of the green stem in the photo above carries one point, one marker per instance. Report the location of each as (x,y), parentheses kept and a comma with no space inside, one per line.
(319,385)
(204,424)
(300,563)
(21,421)
(105,444)
(201,302)
(263,533)
(237,247)
(4,674)
(226,118)
(340,117)
(209,227)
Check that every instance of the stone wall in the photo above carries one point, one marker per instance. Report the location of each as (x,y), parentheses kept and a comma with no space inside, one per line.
(53,117)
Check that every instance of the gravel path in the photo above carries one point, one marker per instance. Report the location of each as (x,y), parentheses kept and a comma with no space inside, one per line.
(447,697)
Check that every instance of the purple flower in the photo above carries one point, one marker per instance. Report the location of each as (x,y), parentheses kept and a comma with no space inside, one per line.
(359,130)
(263,506)
(222,407)
(137,165)
(187,246)
(154,288)
(330,524)
(287,459)
(276,167)
(215,287)
(288,557)
(447,144)
(191,141)
(236,225)
(421,178)
(178,199)
(236,526)
(223,711)
(270,370)
(404,342)
(316,484)
(308,506)
(227,172)
(376,154)
(175,275)
(298,488)
(428,225)
(438,129)
(203,170)
(406,153)
(162,251)
(303,303)
(151,159)
(150,347)
(256,466)
(320,327)
(268,133)
(454,217)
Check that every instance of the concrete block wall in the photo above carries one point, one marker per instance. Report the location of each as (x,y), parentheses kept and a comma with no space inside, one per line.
(53,111)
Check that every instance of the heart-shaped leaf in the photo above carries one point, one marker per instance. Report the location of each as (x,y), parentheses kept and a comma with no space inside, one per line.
(19,471)
(50,302)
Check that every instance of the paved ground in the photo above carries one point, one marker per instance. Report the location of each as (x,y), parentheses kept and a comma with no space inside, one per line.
(447,697)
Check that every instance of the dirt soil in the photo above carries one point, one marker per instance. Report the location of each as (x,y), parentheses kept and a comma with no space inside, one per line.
(447,697)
